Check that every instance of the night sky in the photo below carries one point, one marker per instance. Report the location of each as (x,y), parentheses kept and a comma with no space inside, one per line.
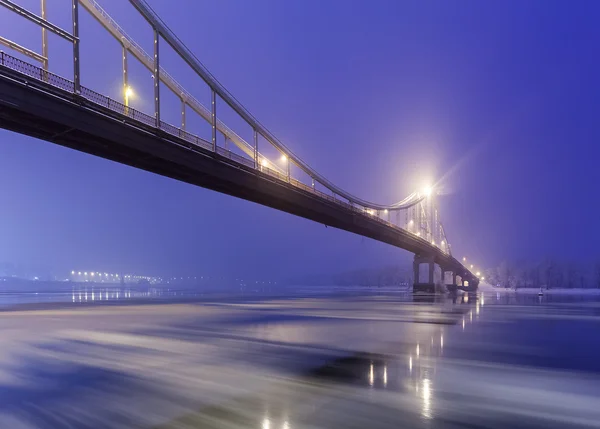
(497,102)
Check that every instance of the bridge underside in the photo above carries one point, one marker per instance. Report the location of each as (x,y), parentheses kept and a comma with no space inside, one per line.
(39,110)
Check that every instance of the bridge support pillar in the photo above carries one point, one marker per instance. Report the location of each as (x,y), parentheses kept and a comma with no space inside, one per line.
(452,286)
(428,285)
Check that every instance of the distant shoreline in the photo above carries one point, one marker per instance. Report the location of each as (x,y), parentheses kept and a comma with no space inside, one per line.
(536,290)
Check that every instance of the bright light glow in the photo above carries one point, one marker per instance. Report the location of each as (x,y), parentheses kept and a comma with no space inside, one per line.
(264,162)
(72,273)
(471,266)
(427,191)
(79,273)
(483,278)
(93,274)
(418,233)
(286,425)
(433,242)
(411,222)
(266,423)
(463,323)
(417,350)
(441,341)
(128,92)
(478,273)
(443,243)
(85,274)
(410,363)
(371,375)
(284,158)
(464,259)
(385,211)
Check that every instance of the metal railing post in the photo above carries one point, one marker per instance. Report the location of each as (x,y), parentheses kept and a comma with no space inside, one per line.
(182,114)
(213,117)
(255,149)
(156,79)
(76,69)
(44,37)
(125,77)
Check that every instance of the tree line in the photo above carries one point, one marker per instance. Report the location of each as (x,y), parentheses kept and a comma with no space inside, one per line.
(547,274)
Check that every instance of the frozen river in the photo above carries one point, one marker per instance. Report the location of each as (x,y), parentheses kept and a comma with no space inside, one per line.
(335,361)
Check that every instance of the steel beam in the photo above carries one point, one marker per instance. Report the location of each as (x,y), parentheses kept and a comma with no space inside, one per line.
(22,50)
(156,79)
(37,20)
(255,149)
(213,118)
(183,114)
(76,68)
(44,37)
(125,77)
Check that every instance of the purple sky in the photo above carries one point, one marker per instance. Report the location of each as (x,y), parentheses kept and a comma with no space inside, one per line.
(497,100)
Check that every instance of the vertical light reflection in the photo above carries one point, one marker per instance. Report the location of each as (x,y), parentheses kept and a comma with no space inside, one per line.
(266,424)
(463,323)
(426,395)
(410,363)
(442,341)
(385,375)
(371,374)
(417,350)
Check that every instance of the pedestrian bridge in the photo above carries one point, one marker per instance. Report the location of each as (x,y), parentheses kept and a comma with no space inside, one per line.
(59,109)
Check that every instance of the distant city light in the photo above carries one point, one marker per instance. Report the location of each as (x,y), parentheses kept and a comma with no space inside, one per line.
(93,274)
(72,273)
(85,274)
(79,273)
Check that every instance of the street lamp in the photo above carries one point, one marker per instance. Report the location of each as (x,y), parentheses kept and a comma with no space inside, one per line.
(128,93)
(427,191)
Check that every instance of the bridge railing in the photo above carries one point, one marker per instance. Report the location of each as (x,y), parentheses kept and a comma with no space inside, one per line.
(64,84)
(235,157)
(36,72)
